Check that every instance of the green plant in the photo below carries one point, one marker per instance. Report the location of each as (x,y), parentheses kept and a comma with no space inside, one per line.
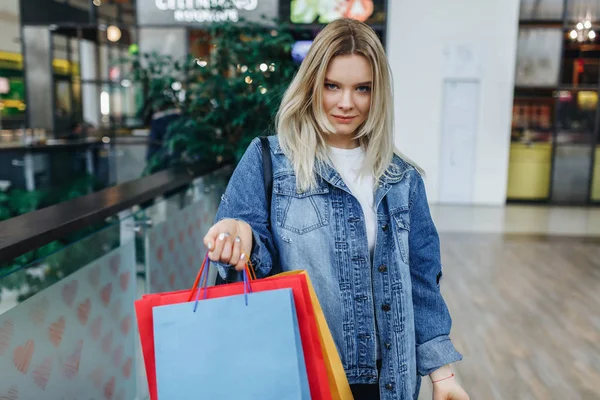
(226,98)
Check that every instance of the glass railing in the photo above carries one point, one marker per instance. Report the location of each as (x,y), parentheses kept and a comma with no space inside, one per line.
(67,321)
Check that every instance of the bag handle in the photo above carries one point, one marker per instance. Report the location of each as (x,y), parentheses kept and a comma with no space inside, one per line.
(206,265)
(204,281)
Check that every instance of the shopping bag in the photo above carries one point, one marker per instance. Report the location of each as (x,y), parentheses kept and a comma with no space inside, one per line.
(338,382)
(229,348)
(317,373)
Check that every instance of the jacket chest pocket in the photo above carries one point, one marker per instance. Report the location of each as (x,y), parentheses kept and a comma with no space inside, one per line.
(401,223)
(300,212)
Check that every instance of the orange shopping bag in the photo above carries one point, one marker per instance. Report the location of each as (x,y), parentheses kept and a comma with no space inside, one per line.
(338,382)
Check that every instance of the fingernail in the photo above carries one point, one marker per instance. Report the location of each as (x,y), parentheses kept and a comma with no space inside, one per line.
(209,245)
(243,256)
(237,239)
(221,236)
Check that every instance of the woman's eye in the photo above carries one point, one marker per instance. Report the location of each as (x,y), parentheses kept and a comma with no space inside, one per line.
(363,89)
(330,86)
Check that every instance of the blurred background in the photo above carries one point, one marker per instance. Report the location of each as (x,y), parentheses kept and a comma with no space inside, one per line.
(121,120)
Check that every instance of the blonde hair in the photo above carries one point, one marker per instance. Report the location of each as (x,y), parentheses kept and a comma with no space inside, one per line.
(302,123)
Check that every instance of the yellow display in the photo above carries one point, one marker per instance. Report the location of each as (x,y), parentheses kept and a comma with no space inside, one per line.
(529,171)
(14,61)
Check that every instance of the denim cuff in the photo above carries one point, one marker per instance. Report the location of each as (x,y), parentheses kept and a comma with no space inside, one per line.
(435,354)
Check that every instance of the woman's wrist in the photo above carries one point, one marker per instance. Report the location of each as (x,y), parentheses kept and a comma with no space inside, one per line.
(441,374)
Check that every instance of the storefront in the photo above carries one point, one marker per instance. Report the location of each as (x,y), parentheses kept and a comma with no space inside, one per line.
(555,149)
(84,40)
(186,22)
(69,65)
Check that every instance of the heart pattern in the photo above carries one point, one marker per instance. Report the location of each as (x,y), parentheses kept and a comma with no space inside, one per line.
(114,264)
(127,368)
(53,359)
(22,356)
(71,367)
(97,377)
(109,388)
(12,394)
(118,356)
(6,332)
(69,291)
(73,339)
(124,280)
(38,311)
(56,331)
(94,276)
(126,325)
(96,328)
(107,342)
(115,310)
(41,374)
(105,294)
(83,311)
(174,259)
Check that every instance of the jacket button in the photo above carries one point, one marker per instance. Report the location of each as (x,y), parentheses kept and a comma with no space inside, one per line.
(388,346)
(389,386)
(382,268)
(384,227)
(386,307)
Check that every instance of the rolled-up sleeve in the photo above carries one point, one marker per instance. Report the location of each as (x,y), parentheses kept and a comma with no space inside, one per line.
(432,318)
(245,200)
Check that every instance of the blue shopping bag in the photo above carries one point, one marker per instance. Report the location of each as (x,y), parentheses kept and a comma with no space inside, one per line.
(239,347)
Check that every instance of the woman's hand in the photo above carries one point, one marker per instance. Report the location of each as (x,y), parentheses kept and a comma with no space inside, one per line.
(449,389)
(445,386)
(229,241)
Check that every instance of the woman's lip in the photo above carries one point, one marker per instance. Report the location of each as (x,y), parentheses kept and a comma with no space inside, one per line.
(343,119)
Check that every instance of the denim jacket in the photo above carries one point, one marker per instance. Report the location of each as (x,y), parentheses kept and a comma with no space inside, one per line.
(395,295)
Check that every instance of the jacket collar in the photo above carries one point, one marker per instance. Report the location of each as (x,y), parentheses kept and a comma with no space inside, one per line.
(330,175)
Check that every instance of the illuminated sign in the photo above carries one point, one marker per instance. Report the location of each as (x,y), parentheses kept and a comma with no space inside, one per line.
(4,85)
(203,12)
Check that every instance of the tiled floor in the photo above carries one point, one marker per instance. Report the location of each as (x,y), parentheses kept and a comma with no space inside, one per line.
(522,284)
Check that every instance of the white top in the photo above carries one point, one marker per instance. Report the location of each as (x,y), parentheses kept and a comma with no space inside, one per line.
(347,163)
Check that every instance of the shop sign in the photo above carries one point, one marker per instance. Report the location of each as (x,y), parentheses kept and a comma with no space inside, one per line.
(203,12)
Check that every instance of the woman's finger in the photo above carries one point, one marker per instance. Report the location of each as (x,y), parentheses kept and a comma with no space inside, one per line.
(219,244)
(211,236)
(241,264)
(227,248)
(236,251)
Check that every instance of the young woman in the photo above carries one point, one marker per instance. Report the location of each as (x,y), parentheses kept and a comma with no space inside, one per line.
(351,211)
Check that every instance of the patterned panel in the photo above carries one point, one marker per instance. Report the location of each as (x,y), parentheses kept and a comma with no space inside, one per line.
(76,337)
(175,249)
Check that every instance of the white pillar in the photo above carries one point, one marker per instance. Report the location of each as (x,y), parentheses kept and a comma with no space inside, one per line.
(419,33)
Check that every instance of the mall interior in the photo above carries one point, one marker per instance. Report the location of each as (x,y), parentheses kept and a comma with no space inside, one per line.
(121,122)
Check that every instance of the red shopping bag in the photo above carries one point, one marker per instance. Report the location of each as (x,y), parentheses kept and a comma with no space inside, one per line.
(315,363)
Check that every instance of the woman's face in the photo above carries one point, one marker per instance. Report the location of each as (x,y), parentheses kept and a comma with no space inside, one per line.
(347,97)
